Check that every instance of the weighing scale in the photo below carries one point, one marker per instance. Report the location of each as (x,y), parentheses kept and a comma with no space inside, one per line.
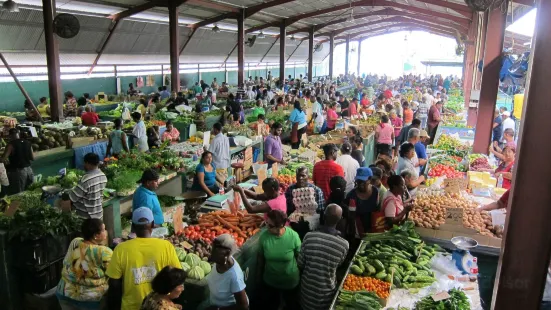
(465,262)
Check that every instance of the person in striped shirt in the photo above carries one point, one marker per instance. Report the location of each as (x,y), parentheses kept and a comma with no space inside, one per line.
(322,252)
(87,196)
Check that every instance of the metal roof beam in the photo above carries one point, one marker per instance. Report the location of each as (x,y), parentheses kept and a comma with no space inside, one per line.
(213,20)
(259,7)
(459,8)
(138,9)
(465,21)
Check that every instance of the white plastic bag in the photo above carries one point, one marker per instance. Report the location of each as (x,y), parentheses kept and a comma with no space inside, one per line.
(126,114)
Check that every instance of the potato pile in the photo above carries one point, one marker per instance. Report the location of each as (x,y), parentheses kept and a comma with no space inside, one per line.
(429,211)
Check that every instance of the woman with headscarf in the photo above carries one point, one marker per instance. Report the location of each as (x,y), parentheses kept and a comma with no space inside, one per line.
(226,280)
(298,125)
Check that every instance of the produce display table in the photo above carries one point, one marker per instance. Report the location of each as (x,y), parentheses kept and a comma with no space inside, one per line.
(369,149)
(47,164)
(105,107)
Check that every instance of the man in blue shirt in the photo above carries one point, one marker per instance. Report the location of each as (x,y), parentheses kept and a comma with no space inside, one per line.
(145,195)
(164,93)
(420,148)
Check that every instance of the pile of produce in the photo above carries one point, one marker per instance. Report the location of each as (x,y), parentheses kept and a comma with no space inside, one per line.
(397,256)
(115,113)
(69,180)
(452,146)
(355,283)
(195,266)
(61,126)
(48,139)
(457,301)
(358,300)
(451,161)
(441,170)
(187,149)
(240,225)
(199,247)
(239,130)
(429,211)
(479,162)
(277,117)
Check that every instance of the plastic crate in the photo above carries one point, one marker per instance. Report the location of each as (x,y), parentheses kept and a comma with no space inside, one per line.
(39,280)
(41,252)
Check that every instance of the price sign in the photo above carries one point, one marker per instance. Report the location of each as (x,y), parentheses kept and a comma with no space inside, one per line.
(461,183)
(440,296)
(452,189)
(275,170)
(454,216)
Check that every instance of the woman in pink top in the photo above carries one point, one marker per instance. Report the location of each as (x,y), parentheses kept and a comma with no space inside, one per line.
(394,208)
(272,199)
(397,124)
(331,117)
(384,135)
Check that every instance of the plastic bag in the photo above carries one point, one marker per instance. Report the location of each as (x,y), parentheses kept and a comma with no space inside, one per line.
(126,114)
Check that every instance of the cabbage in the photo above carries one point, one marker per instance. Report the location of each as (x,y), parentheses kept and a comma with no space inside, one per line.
(185,267)
(196,273)
(181,253)
(192,259)
(205,266)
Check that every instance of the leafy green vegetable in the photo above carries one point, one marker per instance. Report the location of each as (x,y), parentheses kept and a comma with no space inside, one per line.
(457,301)
(43,220)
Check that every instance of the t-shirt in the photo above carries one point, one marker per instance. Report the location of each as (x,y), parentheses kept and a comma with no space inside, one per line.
(278,203)
(407,164)
(397,124)
(146,198)
(508,123)
(421,150)
(83,275)
(331,118)
(392,205)
(323,172)
(258,111)
(298,117)
(280,253)
(89,118)
(318,110)
(408,115)
(137,262)
(222,286)
(497,131)
(423,109)
(272,146)
(350,167)
(434,115)
(385,133)
(210,177)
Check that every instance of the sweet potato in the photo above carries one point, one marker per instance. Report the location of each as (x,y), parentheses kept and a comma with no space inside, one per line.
(231,226)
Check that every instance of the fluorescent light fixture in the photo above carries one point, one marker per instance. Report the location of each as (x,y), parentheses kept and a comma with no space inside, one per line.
(524,25)
(261,35)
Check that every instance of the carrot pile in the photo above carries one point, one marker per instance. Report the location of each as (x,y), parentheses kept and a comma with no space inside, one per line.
(356,283)
(240,225)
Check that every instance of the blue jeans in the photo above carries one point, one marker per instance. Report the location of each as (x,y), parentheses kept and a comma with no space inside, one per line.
(67,303)
(423,119)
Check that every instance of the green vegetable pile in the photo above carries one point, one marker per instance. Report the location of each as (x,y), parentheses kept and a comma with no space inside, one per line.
(167,201)
(125,180)
(399,252)
(457,301)
(358,300)
(277,116)
(37,222)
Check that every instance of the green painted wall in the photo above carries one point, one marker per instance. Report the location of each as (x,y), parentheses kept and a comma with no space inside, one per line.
(12,100)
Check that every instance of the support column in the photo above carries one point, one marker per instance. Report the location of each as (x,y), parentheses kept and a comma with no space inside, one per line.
(331,53)
(282,42)
(490,79)
(358,73)
(519,284)
(346,55)
(52,60)
(241,47)
(310,53)
(469,66)
(174,46)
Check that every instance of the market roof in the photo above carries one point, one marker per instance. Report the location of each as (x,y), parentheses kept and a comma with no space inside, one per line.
(142,32)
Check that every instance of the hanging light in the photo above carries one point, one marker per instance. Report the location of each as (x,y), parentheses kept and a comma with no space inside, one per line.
(293,38)
(215,29)
(350,17)
(261,35)
(10,6)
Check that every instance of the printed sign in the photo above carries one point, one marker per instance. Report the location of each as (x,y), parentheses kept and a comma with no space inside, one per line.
(461,183)
(454,216)
(177,219)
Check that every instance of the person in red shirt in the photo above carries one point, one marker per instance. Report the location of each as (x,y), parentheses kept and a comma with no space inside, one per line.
(326,169)
(500,204)
(434,119)
(89,118)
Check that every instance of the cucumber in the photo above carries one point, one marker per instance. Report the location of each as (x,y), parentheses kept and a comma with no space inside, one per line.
(388,278)
(397,281)
(369,268)
(378,265)
(381,275)
(356,270)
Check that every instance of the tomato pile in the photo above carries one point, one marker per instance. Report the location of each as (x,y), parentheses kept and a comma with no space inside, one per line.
(285,181)
(356,283)
(441,170)
(195,232)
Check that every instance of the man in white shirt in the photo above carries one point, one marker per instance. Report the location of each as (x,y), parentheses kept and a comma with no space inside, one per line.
(220,149)
(269,94)
(349,166)
(507,122)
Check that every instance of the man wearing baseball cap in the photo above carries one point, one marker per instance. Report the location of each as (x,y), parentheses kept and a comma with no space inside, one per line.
(362,201)
(135,263)
(145,195)
(421,149)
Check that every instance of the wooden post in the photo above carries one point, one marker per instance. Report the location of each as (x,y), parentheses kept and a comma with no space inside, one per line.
(310,53)
(174,46)
(282,41)
(346,55)
(490,79)
(52,60)
(331,52)
(358,74)
(241,48)
(526,246)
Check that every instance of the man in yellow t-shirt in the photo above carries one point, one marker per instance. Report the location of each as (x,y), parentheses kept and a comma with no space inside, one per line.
(135,263)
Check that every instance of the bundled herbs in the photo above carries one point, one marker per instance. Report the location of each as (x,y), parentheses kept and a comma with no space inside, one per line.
(457,301)
(125,180)
(358,300)
(167,201)
(41,221)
